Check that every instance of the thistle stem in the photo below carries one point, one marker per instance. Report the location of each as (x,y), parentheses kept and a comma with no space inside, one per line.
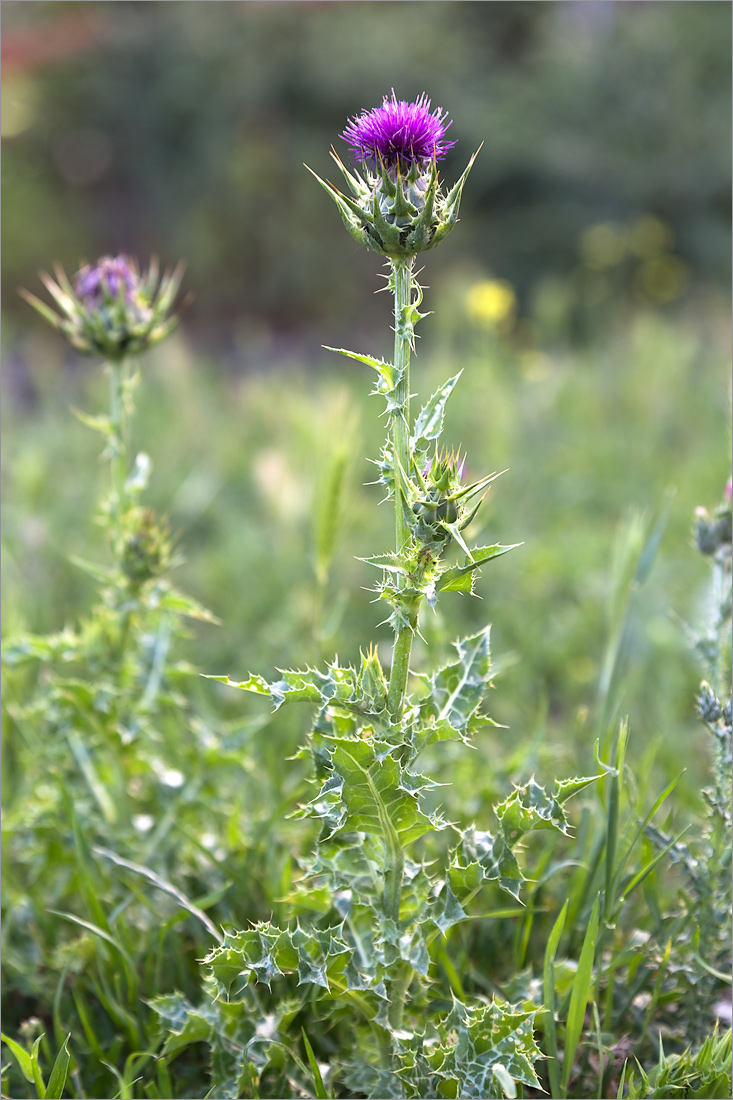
(402,271)
(117,446)
(400,432)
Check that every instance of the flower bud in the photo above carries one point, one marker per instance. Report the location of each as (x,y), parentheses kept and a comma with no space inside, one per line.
(713,531)
(109,308)
(145,547)
(440,505)
(371,684)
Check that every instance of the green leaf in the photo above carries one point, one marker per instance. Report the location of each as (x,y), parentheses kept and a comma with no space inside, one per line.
(389,375)
(268,952)
(57,1080)
(100,572)
(36,1069)
(188,1024)
(107,937)
(457,689)
(165,886)
(458,577)
(320,1088)
(429,422)
(389,563)
(553,1067)
(482,857)
(529,807)
(579,996)
(483,1037)
(173,600)
(21,1056)
(101,424)
(85,762)
(39,647)
(372,792)
(567,788)
(294,687)
(447,910)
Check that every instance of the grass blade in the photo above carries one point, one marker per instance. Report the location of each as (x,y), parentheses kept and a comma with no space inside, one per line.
(21,1056)
(321,1092)
(57,1080)
(624,859)
(614,802)
(553,1066)
(167,888)
(579,997)
(97,931)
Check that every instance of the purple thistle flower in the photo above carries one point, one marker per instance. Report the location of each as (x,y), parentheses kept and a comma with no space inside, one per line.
(109,308)
(105,279)
(399,134)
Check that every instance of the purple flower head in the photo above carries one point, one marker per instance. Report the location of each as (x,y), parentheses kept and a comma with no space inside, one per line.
(105,279)
(110,308)
(399,134)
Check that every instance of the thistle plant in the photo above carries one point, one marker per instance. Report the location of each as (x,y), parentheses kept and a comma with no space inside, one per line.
(374,905)
(116,660)
(707,951)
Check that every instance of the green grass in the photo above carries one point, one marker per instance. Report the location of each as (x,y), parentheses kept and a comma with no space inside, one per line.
(122,857)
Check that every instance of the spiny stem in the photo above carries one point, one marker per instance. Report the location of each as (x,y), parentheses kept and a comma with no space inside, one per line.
(400,668)
(117,446)
(398,993)
(402,271)
(400,431)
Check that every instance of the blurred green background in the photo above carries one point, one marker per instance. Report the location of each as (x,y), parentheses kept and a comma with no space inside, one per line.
(585,291)
(181,129)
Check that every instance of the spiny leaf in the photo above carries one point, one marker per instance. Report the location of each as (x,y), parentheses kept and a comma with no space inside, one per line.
(172,600)
(268,952)
(447,910)
(187,1024)
(483,857)
(389,375)
(457,689)
(457,578)
(529,807)
(483,1037)
(567,788)
(96,423)
(370,791)
(293,687)
(429,422)
(390,563)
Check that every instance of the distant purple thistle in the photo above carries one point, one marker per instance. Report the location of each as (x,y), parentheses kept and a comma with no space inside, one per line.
(399,133)
(104,279)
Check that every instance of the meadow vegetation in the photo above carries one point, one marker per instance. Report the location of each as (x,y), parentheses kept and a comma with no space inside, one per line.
(129,844)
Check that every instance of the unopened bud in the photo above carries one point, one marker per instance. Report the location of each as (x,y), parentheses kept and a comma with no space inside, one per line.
(109,308)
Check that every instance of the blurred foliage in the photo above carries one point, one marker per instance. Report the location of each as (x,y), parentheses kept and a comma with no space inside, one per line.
(584,629)
(181,129)
(592,441)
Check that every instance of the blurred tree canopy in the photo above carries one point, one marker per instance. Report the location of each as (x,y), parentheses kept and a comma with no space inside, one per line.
(180,128)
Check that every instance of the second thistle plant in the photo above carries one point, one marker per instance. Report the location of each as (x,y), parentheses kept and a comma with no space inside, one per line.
(110,309)
(371,911)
